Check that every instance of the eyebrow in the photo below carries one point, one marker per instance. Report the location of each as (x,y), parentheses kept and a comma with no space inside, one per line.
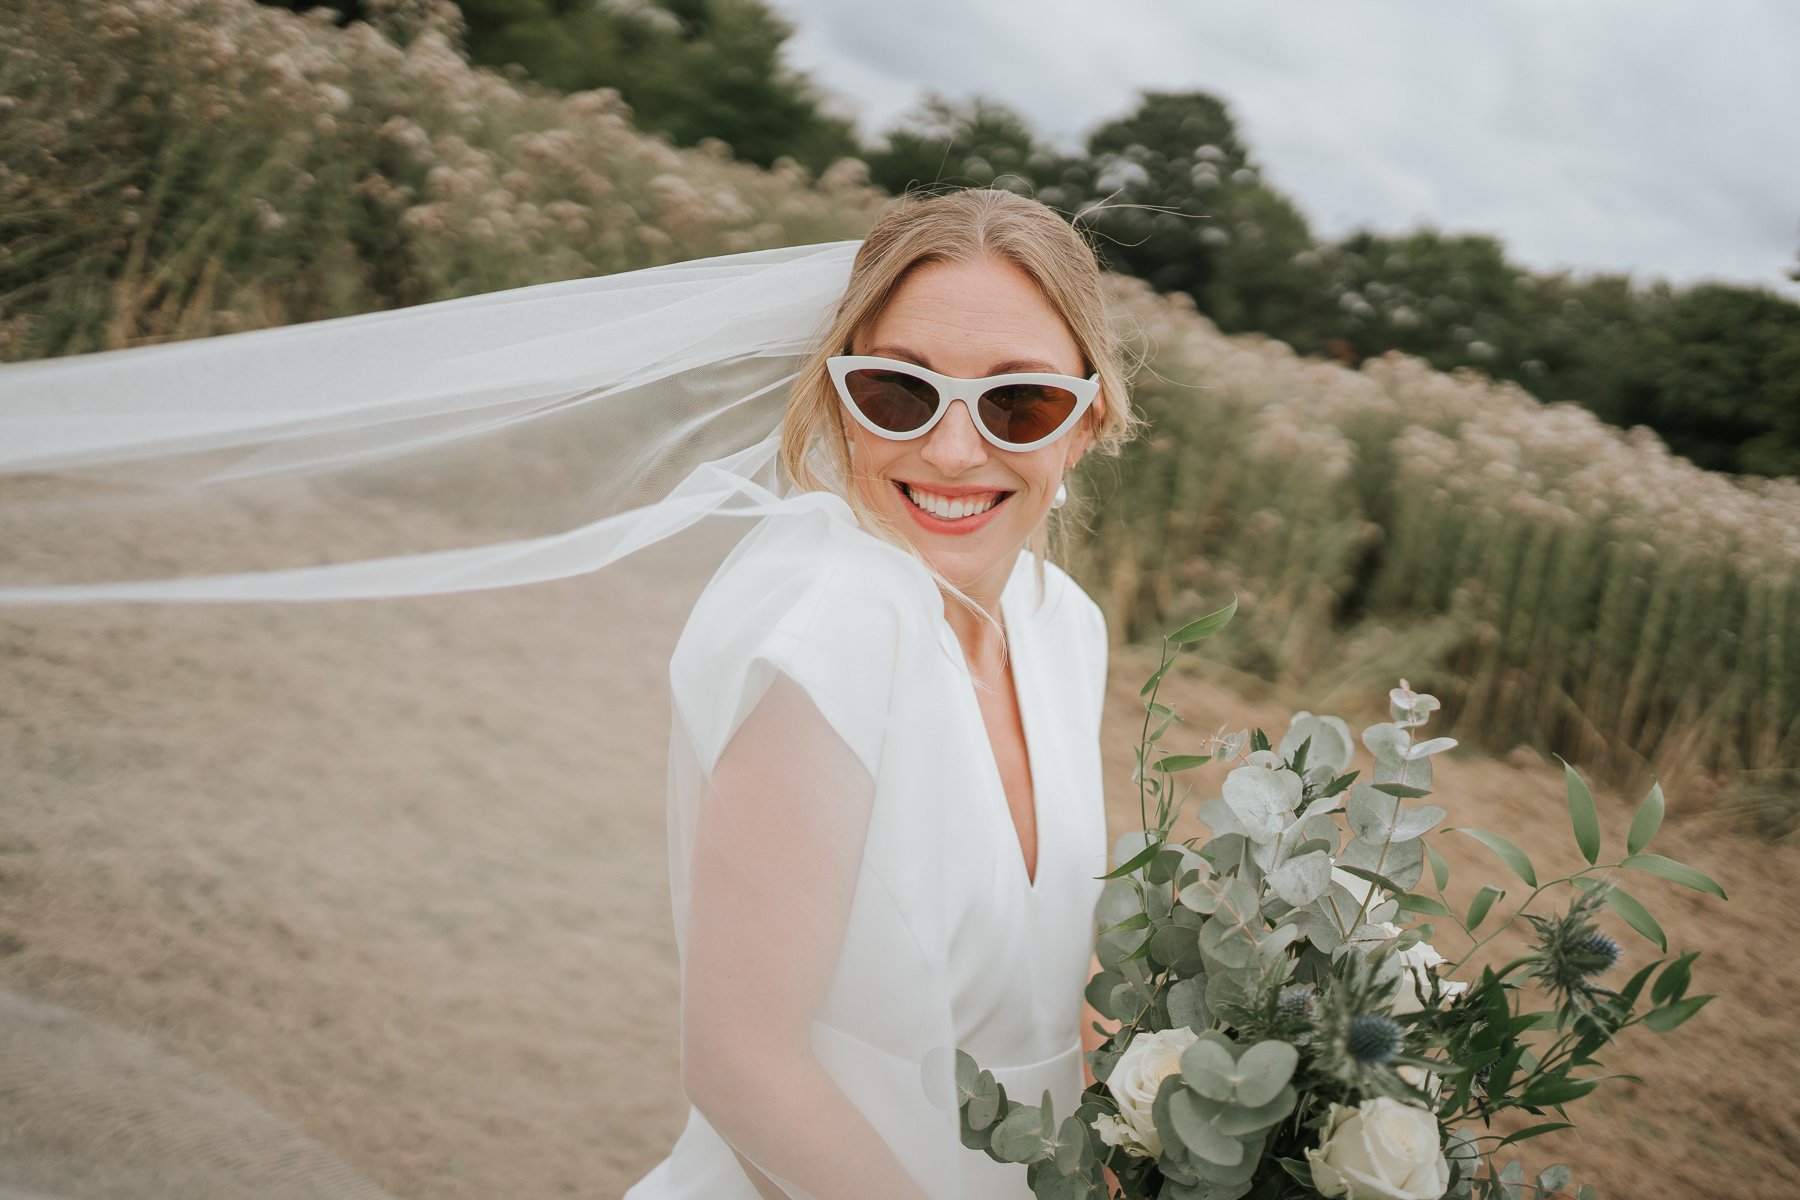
(999,368)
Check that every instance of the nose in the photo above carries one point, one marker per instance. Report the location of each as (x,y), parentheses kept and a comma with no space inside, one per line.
(954,445)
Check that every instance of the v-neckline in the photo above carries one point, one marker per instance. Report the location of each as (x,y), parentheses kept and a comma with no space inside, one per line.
(1016,637)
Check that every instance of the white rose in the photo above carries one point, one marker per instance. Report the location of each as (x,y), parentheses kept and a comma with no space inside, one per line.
(1416,963)
(1115,1132)
(1147,1061)
(1425,1081)
(1380,1150)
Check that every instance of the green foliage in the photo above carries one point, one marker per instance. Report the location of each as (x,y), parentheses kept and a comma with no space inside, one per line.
(1263,1002)
(973,143)
(694,70)
(1715,370)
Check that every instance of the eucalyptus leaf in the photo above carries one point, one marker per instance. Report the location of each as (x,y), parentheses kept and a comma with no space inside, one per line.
(1203,895)
(984,1101)
(967,1072)
(1021,1137)
(1370,814)
(1073,1150)
(1331,743)
(1230,937)
(1263,1070)
(1387,742)
(1226,1182)
(1317,927)
(1402,791)
(1238,1121)
(1207,1067)
(1175,947)
(1414,773)
(1420,751)
(1401,864)
(1553,1179)
(1187,1003)
(1118,900)
(1199,1135)
(1302,879)
(1262,800)
(1272,949)
(1218,817)
(1167,863)
(1100,991)
(1417,821)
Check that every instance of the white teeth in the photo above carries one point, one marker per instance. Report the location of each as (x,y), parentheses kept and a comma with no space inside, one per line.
(948,509)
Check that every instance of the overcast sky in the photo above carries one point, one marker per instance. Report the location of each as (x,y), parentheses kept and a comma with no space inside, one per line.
(1651,136)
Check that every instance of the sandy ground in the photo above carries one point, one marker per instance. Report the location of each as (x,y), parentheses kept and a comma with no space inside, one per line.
(295,897)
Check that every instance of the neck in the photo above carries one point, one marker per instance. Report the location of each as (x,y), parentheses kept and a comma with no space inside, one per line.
(982,646)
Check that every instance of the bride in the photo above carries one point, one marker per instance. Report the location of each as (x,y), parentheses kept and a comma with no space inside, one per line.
(886,819)
(884,793)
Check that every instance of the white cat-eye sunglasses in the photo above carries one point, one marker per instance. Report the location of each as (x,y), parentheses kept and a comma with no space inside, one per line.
(900,400)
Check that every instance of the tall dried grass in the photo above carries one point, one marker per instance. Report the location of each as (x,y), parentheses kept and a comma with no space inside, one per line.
(176,168)
(1556,580)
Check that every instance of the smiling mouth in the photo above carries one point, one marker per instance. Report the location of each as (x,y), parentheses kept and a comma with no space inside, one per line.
(951,508)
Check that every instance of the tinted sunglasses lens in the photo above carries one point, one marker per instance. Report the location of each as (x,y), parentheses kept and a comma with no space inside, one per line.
(893,401)
(1022,413)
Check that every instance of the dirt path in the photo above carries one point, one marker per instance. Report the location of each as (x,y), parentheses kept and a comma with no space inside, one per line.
(419,924)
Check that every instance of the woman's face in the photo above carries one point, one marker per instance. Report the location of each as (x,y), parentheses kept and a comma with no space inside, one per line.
(968,320)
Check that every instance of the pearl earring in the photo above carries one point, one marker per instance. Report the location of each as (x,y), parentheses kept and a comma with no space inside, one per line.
(1062,496)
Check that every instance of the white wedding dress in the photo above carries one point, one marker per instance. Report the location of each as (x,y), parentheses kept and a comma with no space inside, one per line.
(881,889)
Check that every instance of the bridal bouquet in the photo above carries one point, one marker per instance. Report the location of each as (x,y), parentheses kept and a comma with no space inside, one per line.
(1287,1029)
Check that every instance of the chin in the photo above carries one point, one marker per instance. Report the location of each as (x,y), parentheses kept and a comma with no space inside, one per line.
(965,559)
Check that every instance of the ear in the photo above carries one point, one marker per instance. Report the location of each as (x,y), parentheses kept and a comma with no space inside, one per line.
(1083,436)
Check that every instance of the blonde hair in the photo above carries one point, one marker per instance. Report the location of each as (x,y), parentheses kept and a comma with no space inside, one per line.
(959,227)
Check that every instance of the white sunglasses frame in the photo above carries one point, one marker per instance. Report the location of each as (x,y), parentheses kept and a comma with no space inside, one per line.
(951,388)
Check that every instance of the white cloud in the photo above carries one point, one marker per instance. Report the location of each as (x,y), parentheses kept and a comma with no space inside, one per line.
(1653,136)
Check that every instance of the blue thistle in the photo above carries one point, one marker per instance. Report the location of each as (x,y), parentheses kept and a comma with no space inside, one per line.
(1372,1040)
(1571,951)
(1595,952)
(1296,1004)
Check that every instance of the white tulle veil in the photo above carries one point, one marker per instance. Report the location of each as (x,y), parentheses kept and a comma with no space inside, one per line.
(368,898)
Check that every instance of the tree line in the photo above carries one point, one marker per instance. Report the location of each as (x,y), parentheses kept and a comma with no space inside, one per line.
(1171,193)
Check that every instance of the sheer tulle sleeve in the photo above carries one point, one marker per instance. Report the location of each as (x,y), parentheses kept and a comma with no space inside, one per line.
(813,995)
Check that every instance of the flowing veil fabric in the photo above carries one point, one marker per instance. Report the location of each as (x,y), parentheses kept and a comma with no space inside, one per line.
(367,898)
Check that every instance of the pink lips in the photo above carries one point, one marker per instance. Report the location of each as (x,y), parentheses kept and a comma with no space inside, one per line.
(963,525)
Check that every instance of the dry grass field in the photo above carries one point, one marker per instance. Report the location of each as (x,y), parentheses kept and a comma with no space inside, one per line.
(264,935)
